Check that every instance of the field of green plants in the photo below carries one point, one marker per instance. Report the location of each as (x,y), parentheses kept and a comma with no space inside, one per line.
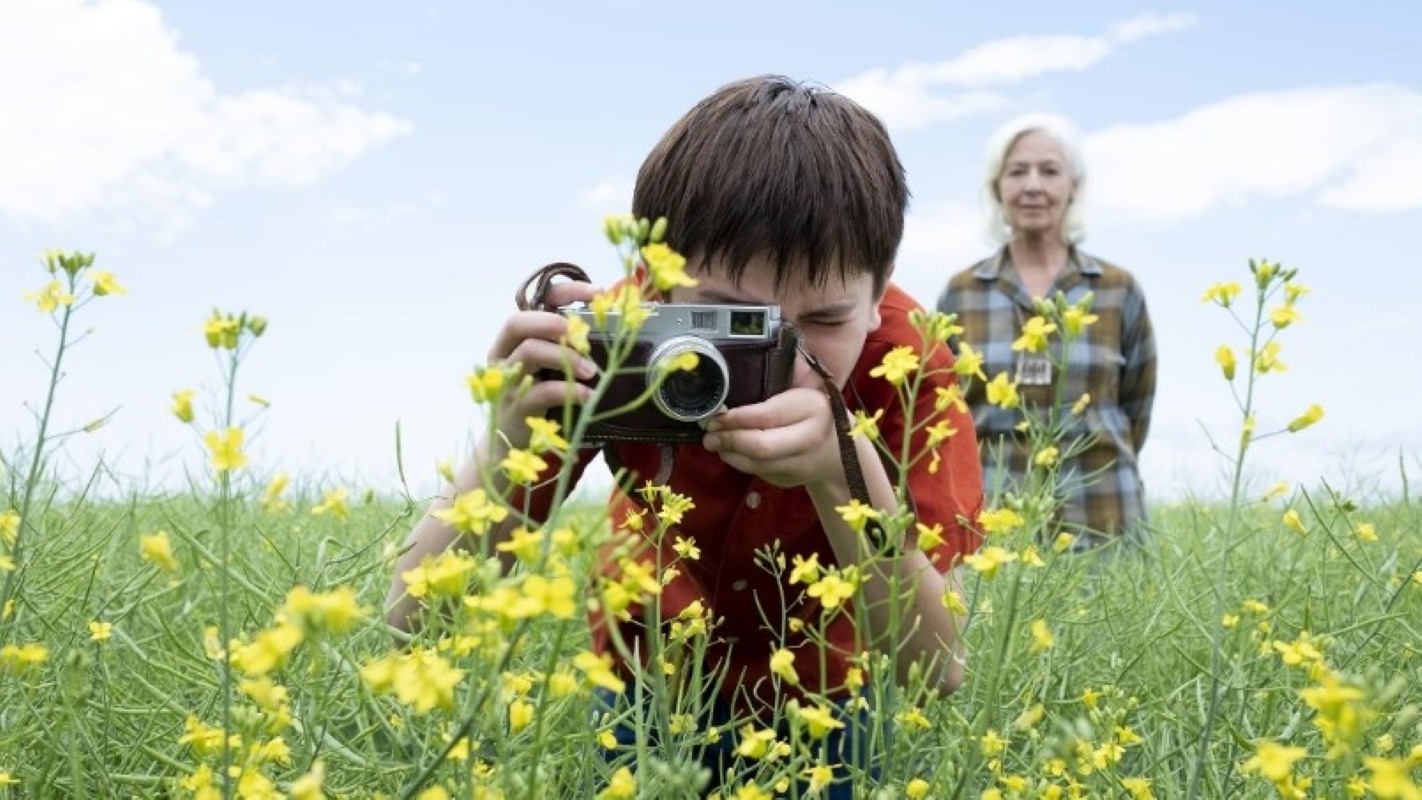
(227,640)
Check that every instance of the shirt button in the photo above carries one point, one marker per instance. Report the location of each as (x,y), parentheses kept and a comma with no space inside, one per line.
(740,585)
(753,500)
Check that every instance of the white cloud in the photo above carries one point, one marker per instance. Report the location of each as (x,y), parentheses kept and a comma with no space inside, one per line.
(1352,147)
(1150,25)
(612,196)
(105,115)
(910,96)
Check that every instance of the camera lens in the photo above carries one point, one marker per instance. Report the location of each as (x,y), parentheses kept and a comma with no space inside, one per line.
(688,395)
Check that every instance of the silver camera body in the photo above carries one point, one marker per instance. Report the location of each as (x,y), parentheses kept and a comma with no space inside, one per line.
(745,354)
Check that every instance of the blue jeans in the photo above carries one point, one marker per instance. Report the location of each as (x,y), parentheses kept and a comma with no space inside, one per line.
(843,747)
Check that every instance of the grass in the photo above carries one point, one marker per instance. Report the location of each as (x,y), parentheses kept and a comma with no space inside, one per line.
(1244,652)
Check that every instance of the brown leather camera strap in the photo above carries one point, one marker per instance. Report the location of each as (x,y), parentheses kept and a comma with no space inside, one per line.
(848,455)
(533,294)
(540,282)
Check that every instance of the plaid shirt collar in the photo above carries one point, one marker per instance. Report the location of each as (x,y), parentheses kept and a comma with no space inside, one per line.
(1078,265)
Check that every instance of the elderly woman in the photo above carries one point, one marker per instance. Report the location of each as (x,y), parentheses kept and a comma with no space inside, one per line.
(1034,182)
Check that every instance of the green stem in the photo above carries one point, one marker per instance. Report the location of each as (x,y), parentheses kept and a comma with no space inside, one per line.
(32,476)
(224,531)
(1222,573)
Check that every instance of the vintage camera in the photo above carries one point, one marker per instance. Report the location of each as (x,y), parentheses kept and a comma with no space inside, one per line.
(745,354)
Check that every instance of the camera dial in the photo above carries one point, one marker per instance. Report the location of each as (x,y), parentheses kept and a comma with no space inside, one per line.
(694,394)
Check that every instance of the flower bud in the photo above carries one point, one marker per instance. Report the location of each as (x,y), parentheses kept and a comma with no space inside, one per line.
(1304,420)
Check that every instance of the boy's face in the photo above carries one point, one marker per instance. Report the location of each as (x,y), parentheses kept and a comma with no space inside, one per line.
(834,319)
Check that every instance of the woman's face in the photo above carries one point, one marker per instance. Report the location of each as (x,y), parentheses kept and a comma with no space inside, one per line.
(1035,186)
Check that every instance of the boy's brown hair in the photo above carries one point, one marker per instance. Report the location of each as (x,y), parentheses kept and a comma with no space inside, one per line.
(768,166)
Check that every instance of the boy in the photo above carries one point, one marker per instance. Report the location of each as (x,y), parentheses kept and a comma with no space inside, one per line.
(776,193)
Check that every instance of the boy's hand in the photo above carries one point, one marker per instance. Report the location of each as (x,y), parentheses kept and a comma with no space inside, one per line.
(787,440)
(531,340)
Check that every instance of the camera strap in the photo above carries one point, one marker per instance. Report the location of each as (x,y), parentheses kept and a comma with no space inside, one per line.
(848,455)
(532,295)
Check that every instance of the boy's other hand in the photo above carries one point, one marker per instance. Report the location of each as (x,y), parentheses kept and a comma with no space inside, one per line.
(531,341)
(787,440)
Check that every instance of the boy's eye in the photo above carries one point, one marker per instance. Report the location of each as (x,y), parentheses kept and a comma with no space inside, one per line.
(821,323)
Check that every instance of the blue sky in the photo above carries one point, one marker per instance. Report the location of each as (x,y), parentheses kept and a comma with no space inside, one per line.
(375,177)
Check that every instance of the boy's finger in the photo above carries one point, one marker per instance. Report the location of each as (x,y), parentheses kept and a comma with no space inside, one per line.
(569,292)
(779,411)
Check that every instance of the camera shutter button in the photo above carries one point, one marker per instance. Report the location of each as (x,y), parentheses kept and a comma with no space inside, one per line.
(753,500)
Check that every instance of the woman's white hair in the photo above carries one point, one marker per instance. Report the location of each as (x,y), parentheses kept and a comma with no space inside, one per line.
(1064,134)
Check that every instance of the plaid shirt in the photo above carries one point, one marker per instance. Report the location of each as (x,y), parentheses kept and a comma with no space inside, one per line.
(1114,360)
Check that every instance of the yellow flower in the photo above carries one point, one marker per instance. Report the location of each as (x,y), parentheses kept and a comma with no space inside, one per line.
(857,515)
(553,596)
(686,548)
(999,521)
(333,502)
(1042,638)
(9,526)
(100,631)
(954,602)
(865,425)
(23,657)
(308,786)
(1267,359)
(6,779)
(1224,356)
(1285,315)
(597,669)
(421,679)
(1390,777)
(1076,320)
(782,663)
(1002,392)
(520,715)
(157,548)
(1063,542)
(1293,291)
(621,786)
(929,537)
(666,267)
(992,743)
(336,611)
(7,564)
(1304,420)
(268,650)
(1294,523)
(1273,761)
(1277,490)
(755,744)
(486,384)
(1365,532)
(1264,271)
(183,405)
(819,721)
(473,512)
(226,449)
(522,466)
(271,496)
(49,298)
(834,588)
(1046,457)
(577,335)
(1221,293)
(440,576)
(969,363)
(990,560)
(806,570)
(1034,335)
(1081,403)
(897,365)
(221,331)
(105,283)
